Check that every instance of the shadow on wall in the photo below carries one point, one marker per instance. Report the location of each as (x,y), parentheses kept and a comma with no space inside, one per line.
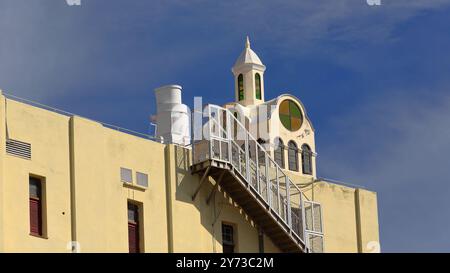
(187,183)
(210,213)
(183,162)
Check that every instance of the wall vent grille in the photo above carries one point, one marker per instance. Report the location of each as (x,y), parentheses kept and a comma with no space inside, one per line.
(18,148)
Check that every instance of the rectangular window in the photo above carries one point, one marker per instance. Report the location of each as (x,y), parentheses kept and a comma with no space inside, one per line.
(306,163)
(133,228)
(36,206)
(258,89)
(279,156)
(293,159)
(241,87)
(228,238)
(142,179)
(126,175)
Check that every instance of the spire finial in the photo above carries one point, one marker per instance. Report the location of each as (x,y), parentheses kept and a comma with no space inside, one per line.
(247,43)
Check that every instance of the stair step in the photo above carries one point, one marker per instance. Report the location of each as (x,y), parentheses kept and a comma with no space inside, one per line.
(256,208)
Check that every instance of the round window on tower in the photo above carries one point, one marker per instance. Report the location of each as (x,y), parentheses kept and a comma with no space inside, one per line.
(290,115)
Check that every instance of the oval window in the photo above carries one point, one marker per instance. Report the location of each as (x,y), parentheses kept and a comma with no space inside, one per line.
(290,115)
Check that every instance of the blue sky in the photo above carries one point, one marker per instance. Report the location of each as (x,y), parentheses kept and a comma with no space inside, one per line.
(374,80)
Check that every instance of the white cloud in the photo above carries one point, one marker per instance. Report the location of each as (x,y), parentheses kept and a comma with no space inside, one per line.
(398,146)
(300,26)
(49,49)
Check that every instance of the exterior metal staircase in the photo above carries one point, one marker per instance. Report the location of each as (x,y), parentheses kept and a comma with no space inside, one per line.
(224,150)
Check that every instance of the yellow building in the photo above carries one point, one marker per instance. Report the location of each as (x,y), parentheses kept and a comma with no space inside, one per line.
(244,181)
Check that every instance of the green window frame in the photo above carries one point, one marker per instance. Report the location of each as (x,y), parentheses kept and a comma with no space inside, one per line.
(241,87)
(258,86)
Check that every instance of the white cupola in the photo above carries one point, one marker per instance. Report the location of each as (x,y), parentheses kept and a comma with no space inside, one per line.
(249,77)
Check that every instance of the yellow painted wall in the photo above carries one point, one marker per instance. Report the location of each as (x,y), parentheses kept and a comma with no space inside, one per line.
(86,201)
(101,197)
(80,160)
(347,226)
(195,225)
(100,206)
(2,156)
(48,134)
(367,212)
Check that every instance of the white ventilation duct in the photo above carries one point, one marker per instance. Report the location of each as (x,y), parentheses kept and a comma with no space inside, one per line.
(172,119)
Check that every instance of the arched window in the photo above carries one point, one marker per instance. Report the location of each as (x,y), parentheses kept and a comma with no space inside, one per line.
(241,87)
(258,86)
(292,156)
(279,152)
(306,159)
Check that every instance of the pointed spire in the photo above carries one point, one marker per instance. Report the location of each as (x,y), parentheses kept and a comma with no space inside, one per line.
(248,56)
(247,43)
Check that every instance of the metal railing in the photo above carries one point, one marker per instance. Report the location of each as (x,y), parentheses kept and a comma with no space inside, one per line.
(224,138)
(314,226)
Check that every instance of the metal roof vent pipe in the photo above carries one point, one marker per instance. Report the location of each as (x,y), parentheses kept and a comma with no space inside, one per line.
(172,118)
